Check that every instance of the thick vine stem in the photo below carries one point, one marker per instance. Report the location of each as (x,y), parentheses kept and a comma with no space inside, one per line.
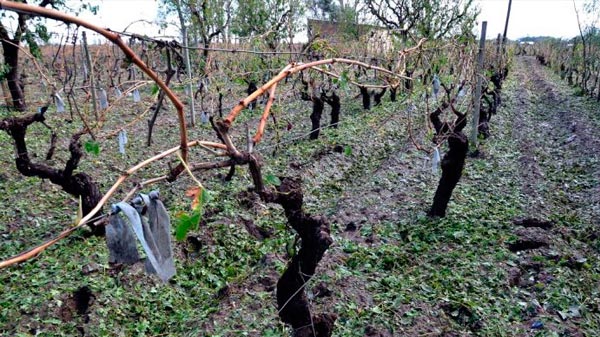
(453,161)
(292,302)
(116,39)
(79,184)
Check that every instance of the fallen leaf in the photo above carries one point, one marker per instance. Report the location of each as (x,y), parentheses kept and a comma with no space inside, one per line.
(194,193)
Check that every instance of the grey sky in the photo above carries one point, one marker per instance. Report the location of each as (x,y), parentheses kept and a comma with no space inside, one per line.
(531,17)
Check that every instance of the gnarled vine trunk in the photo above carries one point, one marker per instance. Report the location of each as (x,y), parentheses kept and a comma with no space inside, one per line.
(15,86)
(315,116)
(334,102)
(454,160)
(293,305)
(78,184)
(366,98)
(452,167)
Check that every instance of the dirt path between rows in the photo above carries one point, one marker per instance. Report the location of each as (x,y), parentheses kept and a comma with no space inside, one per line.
(559,143)
(559,173)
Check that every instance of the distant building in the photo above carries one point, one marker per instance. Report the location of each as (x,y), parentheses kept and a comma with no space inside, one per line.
(377,39)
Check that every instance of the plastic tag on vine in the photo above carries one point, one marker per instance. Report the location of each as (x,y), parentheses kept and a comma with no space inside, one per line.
(203,84)
(436,85)
(60,104)
(204,117)
(136,96)
(118,92)
(435,162)
(103,99)
(122,141)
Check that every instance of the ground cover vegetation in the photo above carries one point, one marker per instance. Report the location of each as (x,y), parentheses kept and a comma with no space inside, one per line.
(325,188)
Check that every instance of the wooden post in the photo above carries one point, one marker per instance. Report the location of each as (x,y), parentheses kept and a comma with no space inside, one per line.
(188,64)
(90,65)
(477,94)
(498,49)
(506,27)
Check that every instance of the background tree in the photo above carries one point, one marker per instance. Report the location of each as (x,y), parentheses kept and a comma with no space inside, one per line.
(432,19)
(210,20)
(265,19)
(202,21)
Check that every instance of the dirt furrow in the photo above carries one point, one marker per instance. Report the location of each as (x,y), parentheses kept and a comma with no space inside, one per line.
(560,155)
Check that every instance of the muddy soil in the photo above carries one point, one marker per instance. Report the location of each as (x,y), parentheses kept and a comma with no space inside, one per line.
(559,174)
(555,135)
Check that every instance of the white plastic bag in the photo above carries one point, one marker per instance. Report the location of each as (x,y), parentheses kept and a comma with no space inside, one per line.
(136,96)
(60,104)
(122,141)
(103,99)
(204,117)
(436,85)
(435,161)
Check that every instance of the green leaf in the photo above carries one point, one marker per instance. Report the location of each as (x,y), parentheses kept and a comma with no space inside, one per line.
(42,32)
(348,150)
(34,48)
(343,80)
(186,222)
(4,69)
(272,180)
(239,81)
(204,197)
(290,247)
(155,89)
(92,146)
(189,221)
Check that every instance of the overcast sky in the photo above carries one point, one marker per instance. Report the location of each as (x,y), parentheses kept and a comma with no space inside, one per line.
(528,17)
(531,17)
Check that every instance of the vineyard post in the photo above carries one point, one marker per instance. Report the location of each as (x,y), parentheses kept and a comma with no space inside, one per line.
(498,50)
(90,73)
(477,94)
(188,63)
(506,27)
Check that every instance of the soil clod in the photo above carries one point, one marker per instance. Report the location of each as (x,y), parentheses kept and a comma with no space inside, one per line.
(529,238)
(533,222)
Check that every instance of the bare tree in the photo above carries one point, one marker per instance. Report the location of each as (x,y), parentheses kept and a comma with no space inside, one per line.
(265,19)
